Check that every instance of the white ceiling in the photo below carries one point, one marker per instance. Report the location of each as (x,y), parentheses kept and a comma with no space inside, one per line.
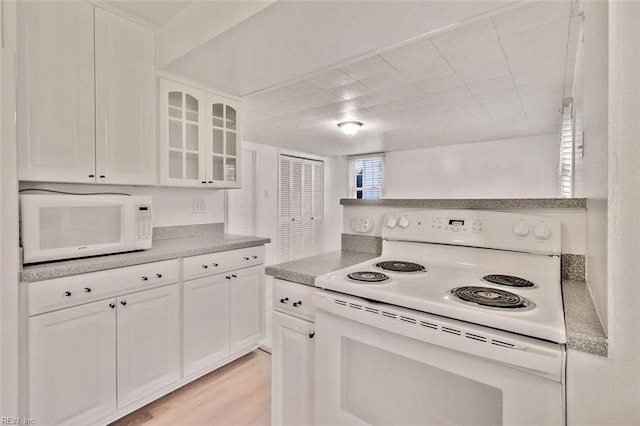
(503,76)
(464,71)
(156,13)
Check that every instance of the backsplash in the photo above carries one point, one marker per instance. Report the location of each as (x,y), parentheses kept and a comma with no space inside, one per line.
(185,231)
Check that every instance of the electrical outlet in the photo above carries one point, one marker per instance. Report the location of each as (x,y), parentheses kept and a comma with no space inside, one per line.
(199,205)
(362,224)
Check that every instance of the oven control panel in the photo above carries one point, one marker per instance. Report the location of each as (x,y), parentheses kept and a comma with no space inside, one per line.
(478,228)
(458,225)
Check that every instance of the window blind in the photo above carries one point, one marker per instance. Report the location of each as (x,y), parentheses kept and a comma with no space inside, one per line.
(566,169)
(368,177)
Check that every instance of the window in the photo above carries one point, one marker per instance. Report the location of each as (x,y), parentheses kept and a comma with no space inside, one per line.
(566,169)
(367,176)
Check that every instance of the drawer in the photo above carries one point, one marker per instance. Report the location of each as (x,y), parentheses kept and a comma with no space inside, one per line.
(214,263)
(59,293)
(293,298)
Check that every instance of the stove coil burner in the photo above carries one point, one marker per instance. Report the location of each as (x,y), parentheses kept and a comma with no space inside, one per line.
(400,266)
(491,298)
(368,277)
(508,280)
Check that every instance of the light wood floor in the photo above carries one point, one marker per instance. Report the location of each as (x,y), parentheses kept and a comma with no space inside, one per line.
(236,394)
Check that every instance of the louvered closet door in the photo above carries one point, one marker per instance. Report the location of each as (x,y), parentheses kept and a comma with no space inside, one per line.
(300,208)
(318,207)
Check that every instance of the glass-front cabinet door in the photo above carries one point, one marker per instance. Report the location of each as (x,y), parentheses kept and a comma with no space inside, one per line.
(223,157)
(199,138)
(182,141)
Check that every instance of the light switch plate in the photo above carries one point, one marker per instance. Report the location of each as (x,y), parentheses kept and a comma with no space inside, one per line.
(362,224)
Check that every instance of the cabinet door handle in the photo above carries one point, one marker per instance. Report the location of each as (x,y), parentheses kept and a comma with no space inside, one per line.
(205,266)
(296,304)
(312,334)
(246,258)
(144,278)
(112,305)
(228,277)
(234,275)
(254,256)
(214,264)
(92,176)
(285,300)
(123,302)
(204,181)
(67,293)
(210,181)
(87,290)
(102,176)
(158,275)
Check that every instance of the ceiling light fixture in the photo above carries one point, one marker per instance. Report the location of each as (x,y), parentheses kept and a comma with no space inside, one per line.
(350,128)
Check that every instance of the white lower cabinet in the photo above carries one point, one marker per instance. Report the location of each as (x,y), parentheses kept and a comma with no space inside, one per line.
(148,337)
(72,364)
(206,322)
(292,354)
(105,343)
(223,314)
(292,370)
(77,354)
(246,301)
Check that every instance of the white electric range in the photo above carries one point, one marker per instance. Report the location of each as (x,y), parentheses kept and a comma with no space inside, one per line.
(464,303)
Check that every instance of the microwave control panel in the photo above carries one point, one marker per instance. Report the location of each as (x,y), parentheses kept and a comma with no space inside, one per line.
(144,227)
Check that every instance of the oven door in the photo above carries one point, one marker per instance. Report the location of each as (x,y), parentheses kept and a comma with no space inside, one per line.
(383,365)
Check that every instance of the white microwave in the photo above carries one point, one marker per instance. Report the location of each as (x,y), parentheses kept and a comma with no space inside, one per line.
(66,226)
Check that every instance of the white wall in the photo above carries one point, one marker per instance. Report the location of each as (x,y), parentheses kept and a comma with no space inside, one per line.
(171,206)
(590,95)
(607,390)
(509,168)
(9,261)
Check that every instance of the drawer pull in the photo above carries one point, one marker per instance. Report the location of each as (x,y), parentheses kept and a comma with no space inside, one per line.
(158,275)
(205,266)
(228,277)
(285,300)
(144,278)
(67,293)
(312,334)
(123,302)
(234,275)
(87,289)
(254,256)
(296,304)
(246,258)
(112,305)
(214,264)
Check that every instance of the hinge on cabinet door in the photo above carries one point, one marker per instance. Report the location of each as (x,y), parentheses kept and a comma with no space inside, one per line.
(312,334)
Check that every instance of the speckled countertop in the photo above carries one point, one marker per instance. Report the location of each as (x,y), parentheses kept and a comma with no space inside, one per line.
(584,331)
(161,250)
(305,271)
(471,203)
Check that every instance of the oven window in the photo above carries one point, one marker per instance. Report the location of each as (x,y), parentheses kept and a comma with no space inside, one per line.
(383,388)
(79,226)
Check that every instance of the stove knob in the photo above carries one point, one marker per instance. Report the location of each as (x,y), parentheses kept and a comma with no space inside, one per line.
(403,222)
(542,231)
(391,222)
(521,229)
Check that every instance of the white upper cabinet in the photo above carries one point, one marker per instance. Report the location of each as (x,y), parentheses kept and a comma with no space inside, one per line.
(125,101)
(199,138)
(56,99)
(182,137)
(223,154)
(86,103)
